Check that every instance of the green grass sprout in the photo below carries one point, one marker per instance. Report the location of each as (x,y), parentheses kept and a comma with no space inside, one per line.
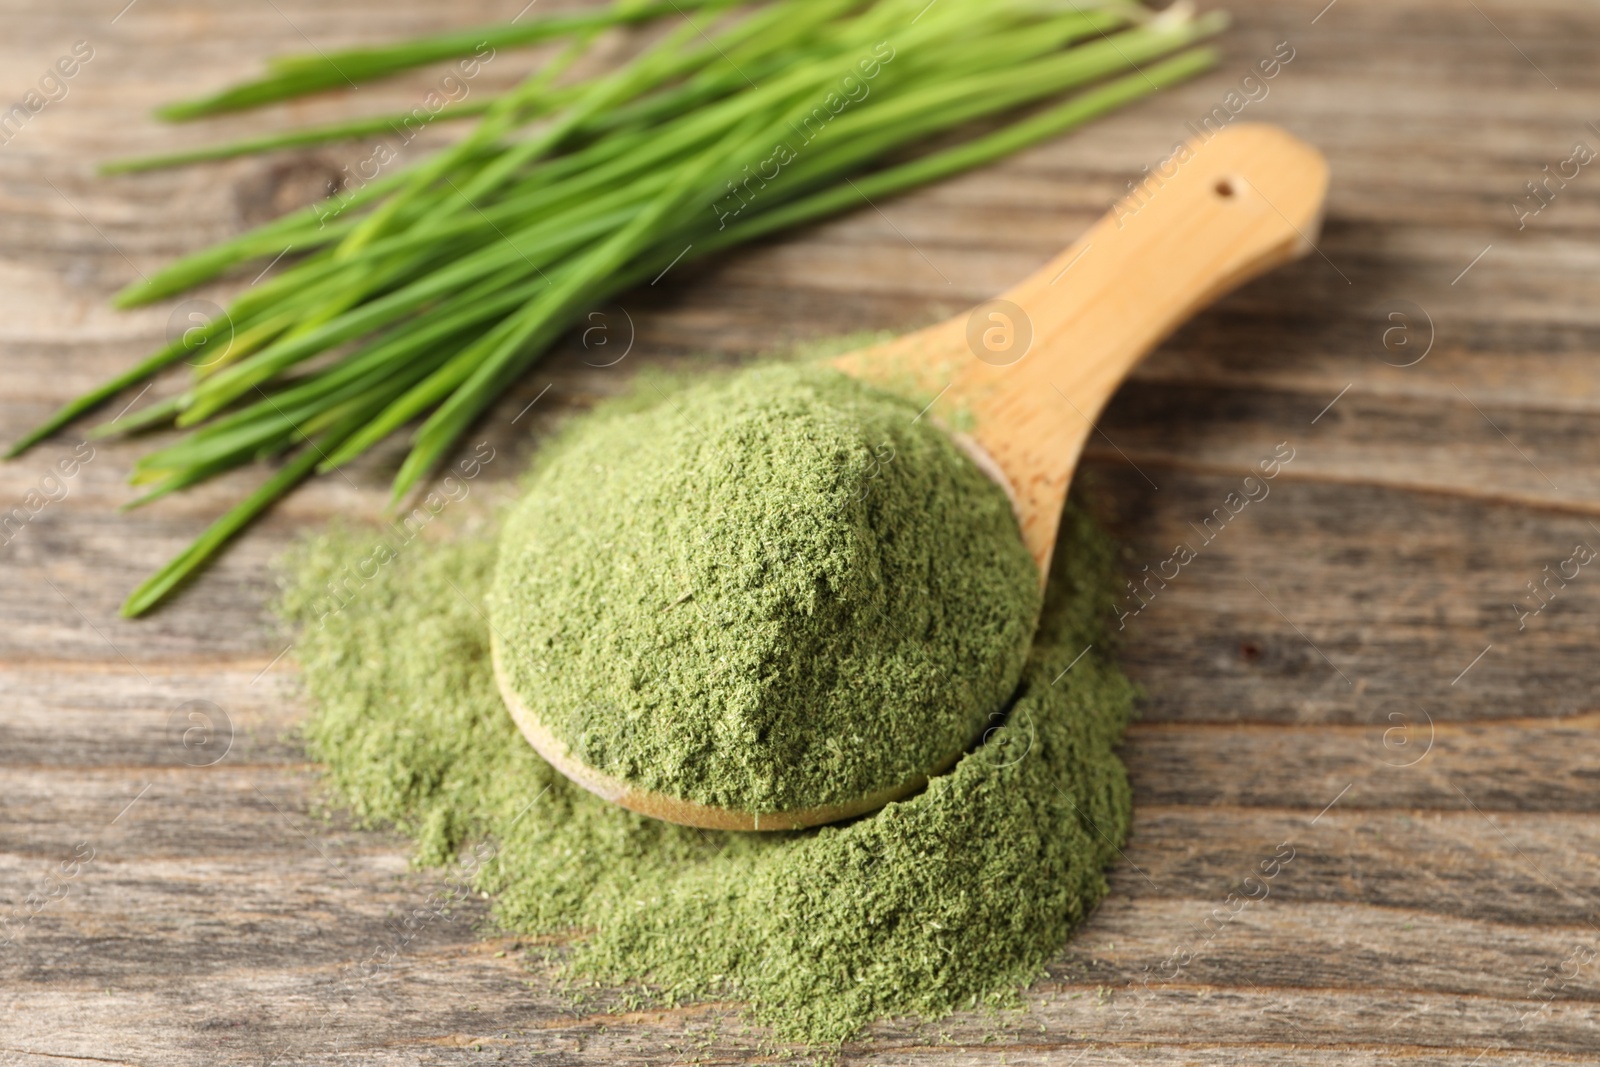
(410,303)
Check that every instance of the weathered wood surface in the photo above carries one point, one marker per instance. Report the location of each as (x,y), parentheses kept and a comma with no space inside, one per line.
(1313,677)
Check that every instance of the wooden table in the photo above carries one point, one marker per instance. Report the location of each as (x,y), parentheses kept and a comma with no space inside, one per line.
(1343,668)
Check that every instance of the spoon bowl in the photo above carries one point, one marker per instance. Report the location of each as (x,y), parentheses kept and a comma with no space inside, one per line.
(1029,371)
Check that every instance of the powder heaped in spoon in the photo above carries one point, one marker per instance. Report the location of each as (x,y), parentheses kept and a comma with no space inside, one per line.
(775,590)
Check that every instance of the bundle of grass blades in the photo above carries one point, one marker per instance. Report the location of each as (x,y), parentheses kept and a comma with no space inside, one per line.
(425,293)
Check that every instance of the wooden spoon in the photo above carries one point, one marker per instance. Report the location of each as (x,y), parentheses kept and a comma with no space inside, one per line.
(1033,368)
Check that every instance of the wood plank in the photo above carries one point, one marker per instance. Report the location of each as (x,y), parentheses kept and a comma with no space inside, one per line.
(210,832)
(70,717)
(1401,763)
(1366,601)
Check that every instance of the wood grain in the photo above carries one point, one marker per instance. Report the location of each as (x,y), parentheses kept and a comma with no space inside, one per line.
(1340,669)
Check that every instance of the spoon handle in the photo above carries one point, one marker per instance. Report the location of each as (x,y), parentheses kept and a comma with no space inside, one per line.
(1030,371)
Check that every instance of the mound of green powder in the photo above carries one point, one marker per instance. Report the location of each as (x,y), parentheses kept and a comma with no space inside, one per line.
(773,590)
(955,896)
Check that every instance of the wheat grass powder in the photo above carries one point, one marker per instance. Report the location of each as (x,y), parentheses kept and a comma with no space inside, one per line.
(952,897)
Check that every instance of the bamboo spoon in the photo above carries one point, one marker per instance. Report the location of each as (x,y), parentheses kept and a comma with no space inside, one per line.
(1033,368)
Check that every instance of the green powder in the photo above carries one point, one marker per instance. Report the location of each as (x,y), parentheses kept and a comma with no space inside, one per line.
(953,897)
(774,590)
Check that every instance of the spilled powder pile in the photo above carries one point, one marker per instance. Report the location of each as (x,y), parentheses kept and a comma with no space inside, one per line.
(778,589)
(953,897)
